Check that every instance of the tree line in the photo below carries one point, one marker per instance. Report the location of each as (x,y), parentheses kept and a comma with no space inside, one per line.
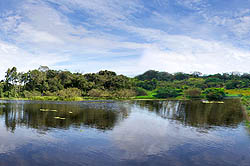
(107,84)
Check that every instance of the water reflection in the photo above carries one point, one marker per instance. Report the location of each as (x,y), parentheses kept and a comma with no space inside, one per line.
(196,113)
(104,116)
(159,128)
(101,116)
(123,133)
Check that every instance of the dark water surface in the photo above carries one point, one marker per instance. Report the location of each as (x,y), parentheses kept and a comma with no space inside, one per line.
(123,133)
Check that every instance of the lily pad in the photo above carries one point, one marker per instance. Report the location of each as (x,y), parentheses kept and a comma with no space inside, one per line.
(44,110)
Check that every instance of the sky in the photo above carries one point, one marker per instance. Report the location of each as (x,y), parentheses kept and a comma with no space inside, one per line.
(126,36)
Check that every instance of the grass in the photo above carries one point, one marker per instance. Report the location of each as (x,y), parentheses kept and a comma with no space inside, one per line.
(246,102)
(238,92)
(150,95)
(14,98)
(58,98)
(245,99)
(46,98)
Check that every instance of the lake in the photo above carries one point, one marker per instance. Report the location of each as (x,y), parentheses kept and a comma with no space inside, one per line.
(179,133)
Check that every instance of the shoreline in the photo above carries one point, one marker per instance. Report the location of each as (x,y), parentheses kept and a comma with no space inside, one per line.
(79,99)
(246,107)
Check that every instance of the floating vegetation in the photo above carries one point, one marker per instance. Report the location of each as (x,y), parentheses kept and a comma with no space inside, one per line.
(47,110)
(81,130)
(44,110)
(57,117)
(213,102)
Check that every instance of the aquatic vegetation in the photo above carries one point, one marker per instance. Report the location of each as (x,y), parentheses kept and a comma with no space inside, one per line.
(213,102)
(44,110)
(47,110)
(57,117)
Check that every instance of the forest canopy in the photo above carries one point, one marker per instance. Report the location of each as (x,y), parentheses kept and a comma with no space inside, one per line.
(107,84)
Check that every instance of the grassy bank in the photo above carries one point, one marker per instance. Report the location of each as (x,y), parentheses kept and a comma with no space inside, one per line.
(57,98)
(238,92)
(245,98)
(150,95)
(246,102)
(46,98)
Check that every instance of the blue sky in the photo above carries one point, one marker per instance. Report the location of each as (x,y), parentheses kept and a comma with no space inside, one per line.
(129,37)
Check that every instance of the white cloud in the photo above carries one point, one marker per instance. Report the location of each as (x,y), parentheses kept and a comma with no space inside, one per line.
(11,55)
(243,27)
(30,34)
(44,34)
(188,54)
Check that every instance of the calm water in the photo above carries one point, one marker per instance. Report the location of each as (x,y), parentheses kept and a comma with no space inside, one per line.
(123,133)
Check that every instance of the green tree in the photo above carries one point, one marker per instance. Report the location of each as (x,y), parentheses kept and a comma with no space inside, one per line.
(1,89)
(215,94)
(167,92)
(233,84)
(11,79)
(140,91)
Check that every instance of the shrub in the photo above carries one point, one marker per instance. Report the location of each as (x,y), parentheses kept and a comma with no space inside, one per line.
(125,93)
(45,98)
(233,84)
(69,93)
(1,90)
(193,93)
(98,93)
(48,93)
(215,94)
(29,94)
(140,92)
(167,92)
(1,93)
